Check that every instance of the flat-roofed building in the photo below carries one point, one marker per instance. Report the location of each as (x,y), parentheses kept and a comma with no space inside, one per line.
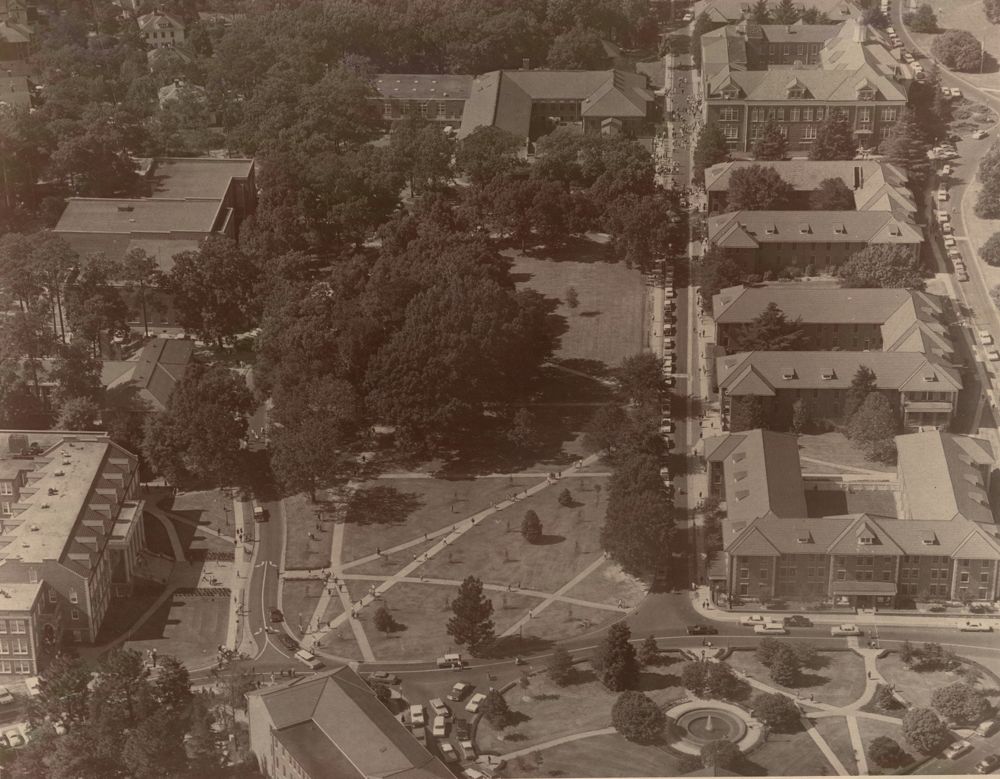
(438,98)
(332,725)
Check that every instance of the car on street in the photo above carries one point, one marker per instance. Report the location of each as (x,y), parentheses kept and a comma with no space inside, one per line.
(949,240)
(988,764)
(475,702)
(669,381)
(417,714)
(452,660)
(308,659)
(993,355)
(666,427)
(770,628)
(976,627)
(942,217)
(419,733)
(942,194)
(385,677)
(986,728)
(797,621)
(947,230)
(755,619)
(14,737)
(466,749)
(957,749)
(688,17)
(448,753)
(473,773)
(276,615)
(946,169)
(985,338)
(440,707)
(259,514)
(5,696)
(979,134)
(961,275)
(288,642)
(458,691)
(670,292)
(702,630)
(956,92)
(440,728)
(845,629)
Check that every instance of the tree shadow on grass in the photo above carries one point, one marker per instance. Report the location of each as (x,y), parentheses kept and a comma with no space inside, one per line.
(549,540)
(380,505)
(652,681)
(513,646)
(809,680)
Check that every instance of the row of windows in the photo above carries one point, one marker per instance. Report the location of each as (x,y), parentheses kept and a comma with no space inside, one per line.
(15,666)
(16,626)
(439,109)
(19,645)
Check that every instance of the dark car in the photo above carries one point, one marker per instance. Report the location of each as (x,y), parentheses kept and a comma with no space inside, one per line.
(461,728)
(988,764)
(276,615)
(798,621)
(702,630)
(384,677)
(289,642)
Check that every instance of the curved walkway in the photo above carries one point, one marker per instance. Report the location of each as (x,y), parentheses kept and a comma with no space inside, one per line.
(168,526)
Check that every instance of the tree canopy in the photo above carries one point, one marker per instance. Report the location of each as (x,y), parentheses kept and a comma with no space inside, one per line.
(924,731)
(637,717)
(471,623)
(922,20)
(959,50)
(615,659)
(873,428)
(834,138)
(710,149)
(770,331)
(959,702)
(832,195)
(772,144)
(883,265)
(758,188)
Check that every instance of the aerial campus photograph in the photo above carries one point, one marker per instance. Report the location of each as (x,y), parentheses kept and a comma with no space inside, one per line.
(414,389)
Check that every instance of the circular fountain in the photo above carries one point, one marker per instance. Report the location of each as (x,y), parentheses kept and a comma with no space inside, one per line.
(695,723)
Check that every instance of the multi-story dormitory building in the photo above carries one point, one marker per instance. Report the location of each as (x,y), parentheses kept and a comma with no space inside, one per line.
(796,75)
(942,546)
(71,539)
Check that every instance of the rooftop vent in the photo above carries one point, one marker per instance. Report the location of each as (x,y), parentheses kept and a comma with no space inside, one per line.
(804,537)
(35,528)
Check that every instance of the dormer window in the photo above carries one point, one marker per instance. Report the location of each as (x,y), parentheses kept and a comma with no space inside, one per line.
(796,93)
(788,374)
(866,539)
(839,228)
(804,537)
(829,375)
(929,377)
(805,229)
(866,94)
(771,229)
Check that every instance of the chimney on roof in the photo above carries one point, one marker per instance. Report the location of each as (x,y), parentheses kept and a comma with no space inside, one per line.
(859,177)
(526,64)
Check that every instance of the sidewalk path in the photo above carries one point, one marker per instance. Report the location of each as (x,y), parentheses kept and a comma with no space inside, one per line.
(558,741)
(866,471)
(825,748)
(168,526)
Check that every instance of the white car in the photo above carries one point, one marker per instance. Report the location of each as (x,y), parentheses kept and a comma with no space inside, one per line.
(668,427)
(845,630)
(755,619)
(440,728)
(961,275)
(993,355)
(956,92)
(439,707)
(688,16)
(985,338)
(942,194)
(475,702)
(5,696)
(448,752)
(942,217)
(947,230)
(473,773)
(976,627)
(957,749)
(979,134)
(949,240)
(416,714)
(770,628)
(946,169)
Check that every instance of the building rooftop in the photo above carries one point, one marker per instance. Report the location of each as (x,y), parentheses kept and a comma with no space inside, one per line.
(763,373)
(126,216)
(411,86)
(742,304)
(750,229)
(941,476)
(798,33)
(155,371)
(762,474)
(734,10)
(333,725)
(157,20)
(18,597)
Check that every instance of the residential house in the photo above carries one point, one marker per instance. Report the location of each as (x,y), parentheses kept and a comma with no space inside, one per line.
(73,521)
(939,550)
(160,30)
(795,76)
(921,387)
(15,41)
(877,186)
(332,725)
(22,12)
(527,103)
(762,241)
(844,319)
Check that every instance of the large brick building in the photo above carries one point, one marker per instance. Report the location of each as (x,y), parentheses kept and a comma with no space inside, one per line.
(796,75)
(70,520)
(943,547)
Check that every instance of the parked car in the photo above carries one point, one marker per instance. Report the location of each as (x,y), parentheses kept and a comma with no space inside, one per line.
(755,619)
(993,355)
(466,748)
(845,629)
(976,627)
(957,749)
(419,733)
(14,737)
(5,696)
(458,691)
(259,514)
(452,660)
(308,659)
(986,728)
(448,753)
(946,169)
(440,728)
(979,134)
(988,764)
(440,708)
(473,773)
(798,621)
(985,338)
(288,642)
(276,615)
(475,702)
(702,630)
(417,714)
(942,194)
(949,240)
(942,217)
(667,427)
(961,275)
(956,92)
(385,677)
(770,628)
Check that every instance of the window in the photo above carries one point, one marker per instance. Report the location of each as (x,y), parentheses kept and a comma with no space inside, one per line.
(984,577)
(865,576)
(3,626)
(6,488)
(22,667)
(819,113)
(744,573)
(780,115)
(964,577)
(387,109)
(889,114)
(809,134)
(32,576)
(5,509)
(756,115)
(841,575)
(763,573)
(793,114)
(982,593)
(756,131)
(807,114)
(5,667)
(744,588)
(864,115)
(18,626)
(4,646)
(73,598)
(52,596)
(75,615)
(731,131)
(729,114)
(933,573)
(886,576)
(965,563)
(20,646)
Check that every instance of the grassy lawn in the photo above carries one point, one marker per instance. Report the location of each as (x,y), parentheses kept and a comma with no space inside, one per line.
(915,686)
(496,552)
(839,682)
(835,448)
(553,712)
(300,598)
(609,584)
(301,550)
(563,620)
(834,731)
(966,15)
(831,503)
(607,324)
(432,504)
(610,755)
(788,754)
(190,628)
(388,564)
(873,728)
(204,507)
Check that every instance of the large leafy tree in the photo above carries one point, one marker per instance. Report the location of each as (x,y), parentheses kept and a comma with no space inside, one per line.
(637,717)
(834,138)
(641,377)
(786,12)
(960,702)
(883,265)
(959,50)
(420,151)
(873,428)
(63,693)
(863,383)
(214,290)
(471,623)
(776,710)
(992,9)
(746,412)
(710,148)
(577,49)
(832,195)
(770,331)
(716,271)
(924,731)
(758,188)
(488,151)
(885,752)
(95,309)
(990,251)
(922,20)
(772,144)
(988,201)
(639,525)
(615,659)
(906,146)
(199,435)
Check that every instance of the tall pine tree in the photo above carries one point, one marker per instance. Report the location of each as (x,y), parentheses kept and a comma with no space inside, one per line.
(834,139)
(472,624)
